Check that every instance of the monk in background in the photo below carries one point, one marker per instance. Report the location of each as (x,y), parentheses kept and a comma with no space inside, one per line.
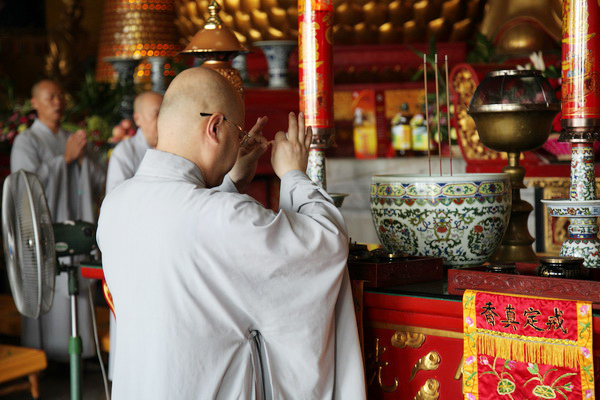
(72,182)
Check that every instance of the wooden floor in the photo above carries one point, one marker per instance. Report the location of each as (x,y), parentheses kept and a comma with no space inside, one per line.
(10,319)
(54,380)
(55,383)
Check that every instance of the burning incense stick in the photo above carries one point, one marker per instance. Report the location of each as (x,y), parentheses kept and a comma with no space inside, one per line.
(427,114)
(437,111)
(448,111)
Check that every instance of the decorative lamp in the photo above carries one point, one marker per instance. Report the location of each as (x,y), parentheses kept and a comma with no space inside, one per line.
(217,45)
(315,41)
(513,111)
(581,123)
(135,30)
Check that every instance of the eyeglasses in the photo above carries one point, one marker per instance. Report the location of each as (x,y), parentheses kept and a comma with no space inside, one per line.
(243,135)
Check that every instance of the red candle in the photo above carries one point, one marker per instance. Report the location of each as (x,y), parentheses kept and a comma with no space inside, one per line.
(581,64)
(315,18)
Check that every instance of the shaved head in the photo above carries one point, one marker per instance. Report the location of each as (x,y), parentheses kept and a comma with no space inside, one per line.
(181,129)
(43,84)
(144,98)
(48,100)
(193,91)
(145,114)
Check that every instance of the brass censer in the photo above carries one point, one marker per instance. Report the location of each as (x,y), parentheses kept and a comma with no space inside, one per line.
(513,111)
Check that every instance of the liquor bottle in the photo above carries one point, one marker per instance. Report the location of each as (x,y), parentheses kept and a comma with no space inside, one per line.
(401,132)
(419,134)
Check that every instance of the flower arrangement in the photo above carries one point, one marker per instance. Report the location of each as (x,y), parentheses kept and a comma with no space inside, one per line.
(97,128)
(20,118)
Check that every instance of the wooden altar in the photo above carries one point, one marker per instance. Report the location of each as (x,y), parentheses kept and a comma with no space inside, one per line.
(414,342)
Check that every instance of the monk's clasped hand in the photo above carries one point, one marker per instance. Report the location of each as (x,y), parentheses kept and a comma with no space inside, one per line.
(290,150)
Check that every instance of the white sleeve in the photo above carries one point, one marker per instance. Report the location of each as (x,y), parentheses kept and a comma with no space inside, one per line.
(24,155)
(119,168)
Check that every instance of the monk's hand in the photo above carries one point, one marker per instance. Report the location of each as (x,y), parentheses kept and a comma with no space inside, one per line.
(75,146)
(290,151)
(253,146)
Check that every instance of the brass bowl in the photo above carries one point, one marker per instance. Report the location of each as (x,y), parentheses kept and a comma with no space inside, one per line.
(514,110)
(514,128)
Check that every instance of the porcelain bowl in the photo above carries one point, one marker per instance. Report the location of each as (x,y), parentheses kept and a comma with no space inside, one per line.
(461,218)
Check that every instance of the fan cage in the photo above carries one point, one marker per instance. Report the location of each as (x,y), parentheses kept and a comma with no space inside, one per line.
(28,244)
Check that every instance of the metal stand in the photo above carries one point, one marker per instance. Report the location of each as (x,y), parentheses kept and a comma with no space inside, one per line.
(158,74)
(75,346)
(125,68)
(517,242)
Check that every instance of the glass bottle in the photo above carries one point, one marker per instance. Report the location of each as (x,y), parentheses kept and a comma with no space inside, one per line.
(419,134)
(402,132)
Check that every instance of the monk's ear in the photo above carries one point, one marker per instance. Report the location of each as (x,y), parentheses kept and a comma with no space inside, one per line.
(214,123)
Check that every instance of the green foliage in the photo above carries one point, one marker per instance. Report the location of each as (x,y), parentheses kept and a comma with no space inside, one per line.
(8,99)
(483,51)
(552,72)
(98,129)
(95,98)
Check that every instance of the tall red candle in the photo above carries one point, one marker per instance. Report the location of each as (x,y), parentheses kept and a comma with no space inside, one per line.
(581,65)
(315,21)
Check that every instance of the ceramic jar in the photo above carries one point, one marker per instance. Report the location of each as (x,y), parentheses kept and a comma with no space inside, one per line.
(460,218)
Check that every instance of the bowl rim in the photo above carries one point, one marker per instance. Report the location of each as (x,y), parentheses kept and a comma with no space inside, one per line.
(426,178)
(560,203)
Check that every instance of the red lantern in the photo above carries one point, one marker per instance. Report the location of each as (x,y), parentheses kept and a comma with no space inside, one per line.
(581,65)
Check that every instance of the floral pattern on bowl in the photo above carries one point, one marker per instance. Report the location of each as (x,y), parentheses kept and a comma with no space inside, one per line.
(461,218)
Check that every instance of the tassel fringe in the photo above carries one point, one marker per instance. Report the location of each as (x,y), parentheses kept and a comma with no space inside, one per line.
(557,354)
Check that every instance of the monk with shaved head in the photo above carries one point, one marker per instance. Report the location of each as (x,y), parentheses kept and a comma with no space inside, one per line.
(73,181)
(127,155)
(215,296)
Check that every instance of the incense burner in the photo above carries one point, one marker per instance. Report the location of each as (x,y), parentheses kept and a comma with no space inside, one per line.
(461,218)
(513,111)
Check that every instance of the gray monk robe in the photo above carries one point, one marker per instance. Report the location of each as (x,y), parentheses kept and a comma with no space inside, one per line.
(70,191)
(125,160)
(217,297)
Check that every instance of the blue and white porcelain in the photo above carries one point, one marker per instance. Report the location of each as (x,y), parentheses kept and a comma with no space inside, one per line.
(582,208)
(582,240)
(277,53)
(316,167)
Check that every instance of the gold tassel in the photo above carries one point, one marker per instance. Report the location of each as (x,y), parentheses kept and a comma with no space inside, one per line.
(557,354)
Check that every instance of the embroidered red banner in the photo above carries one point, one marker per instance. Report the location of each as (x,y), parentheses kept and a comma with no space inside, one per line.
(523,347)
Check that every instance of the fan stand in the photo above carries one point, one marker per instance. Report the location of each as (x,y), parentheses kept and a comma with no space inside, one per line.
(75,346)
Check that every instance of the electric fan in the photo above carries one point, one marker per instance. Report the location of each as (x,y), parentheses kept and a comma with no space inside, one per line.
(31,247)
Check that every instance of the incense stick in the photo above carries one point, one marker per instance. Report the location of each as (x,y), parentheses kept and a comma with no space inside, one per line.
(448,111)
(427,114)
(437,111)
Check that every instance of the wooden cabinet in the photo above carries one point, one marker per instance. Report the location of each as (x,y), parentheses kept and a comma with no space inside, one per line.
(413,345)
